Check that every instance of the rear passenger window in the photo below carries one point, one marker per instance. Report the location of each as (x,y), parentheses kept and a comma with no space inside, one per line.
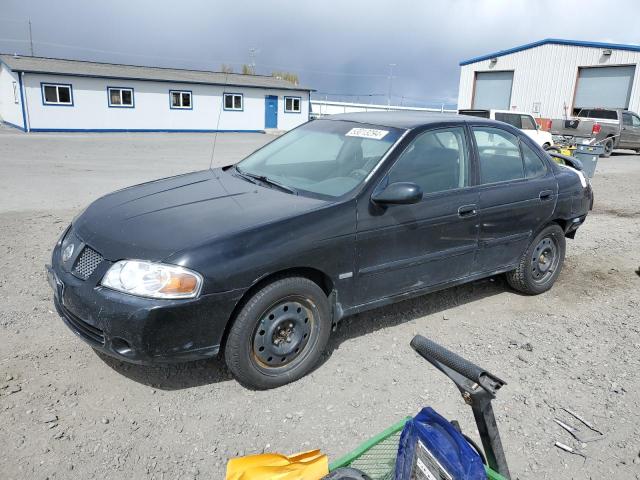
(499,155)
(533,164)
(436,160)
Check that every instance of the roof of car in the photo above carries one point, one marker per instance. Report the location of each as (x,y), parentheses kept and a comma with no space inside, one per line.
(404,119)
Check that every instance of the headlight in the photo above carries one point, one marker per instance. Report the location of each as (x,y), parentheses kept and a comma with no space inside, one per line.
(154,280)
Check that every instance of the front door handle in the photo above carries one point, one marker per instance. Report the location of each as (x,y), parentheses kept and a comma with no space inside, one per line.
(467,211)
(546,195)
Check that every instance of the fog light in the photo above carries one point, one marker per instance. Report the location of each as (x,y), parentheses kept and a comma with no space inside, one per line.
(122,347)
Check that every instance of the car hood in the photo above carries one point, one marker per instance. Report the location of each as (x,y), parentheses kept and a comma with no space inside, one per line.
(153,220)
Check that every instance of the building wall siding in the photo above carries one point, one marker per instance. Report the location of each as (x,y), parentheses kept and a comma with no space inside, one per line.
(547,75)
(90,110)
(10,111)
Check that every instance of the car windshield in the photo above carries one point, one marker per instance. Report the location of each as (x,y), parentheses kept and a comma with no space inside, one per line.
(323,157)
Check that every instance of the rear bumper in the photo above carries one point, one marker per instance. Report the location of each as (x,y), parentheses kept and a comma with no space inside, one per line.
(141,330)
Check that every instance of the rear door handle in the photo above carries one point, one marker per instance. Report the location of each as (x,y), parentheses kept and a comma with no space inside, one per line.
(467,211)
(546,195)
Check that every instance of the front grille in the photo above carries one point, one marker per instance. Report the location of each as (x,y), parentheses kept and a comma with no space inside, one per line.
(86,263)
(85,330)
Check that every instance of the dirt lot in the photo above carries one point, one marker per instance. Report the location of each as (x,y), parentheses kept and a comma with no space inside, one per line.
(65,412)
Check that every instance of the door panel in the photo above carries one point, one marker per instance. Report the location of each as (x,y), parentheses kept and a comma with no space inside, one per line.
(270,111)
(630,134)
(604,87)
(492,90)
(518,197)
(411,247)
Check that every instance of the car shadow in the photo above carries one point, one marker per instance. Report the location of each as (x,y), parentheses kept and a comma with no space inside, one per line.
(408,310)
(180,376)
(174,376)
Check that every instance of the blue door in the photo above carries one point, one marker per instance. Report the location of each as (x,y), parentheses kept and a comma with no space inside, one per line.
(270,111)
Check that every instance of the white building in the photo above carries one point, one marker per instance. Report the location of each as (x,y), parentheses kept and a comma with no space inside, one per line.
(553,78)
(44,94)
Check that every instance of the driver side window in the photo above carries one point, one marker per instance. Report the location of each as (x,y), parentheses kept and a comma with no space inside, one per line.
(436,160)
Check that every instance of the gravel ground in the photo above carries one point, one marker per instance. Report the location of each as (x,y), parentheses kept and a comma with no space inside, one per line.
(66,412)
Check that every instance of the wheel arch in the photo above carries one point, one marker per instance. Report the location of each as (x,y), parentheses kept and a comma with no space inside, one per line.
(317,276)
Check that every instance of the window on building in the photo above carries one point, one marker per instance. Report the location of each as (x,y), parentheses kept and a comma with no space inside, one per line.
(15,93)
(436,160)
(233,101)
(120,97)
(54,94)
(499,154)
(181,99)
(292,105)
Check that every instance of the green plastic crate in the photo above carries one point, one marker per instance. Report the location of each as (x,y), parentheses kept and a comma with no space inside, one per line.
(377,456)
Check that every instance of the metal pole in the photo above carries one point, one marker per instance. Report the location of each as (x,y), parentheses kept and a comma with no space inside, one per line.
(30,38)
(391,65)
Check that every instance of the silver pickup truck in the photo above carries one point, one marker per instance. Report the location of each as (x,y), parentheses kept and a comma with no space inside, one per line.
(612,128)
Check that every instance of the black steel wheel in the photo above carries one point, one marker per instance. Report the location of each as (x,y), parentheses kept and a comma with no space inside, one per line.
(279,334)
(540,264)
(282,334)
(545,259)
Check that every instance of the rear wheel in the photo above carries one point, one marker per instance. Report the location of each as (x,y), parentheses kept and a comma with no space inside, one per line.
(546,146)
(279,334)
(608,147)
(541,263)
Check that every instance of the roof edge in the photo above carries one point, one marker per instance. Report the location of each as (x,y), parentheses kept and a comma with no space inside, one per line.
(237,74)
(554,41)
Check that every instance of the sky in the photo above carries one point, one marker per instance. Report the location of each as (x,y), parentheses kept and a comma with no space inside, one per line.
(342,48)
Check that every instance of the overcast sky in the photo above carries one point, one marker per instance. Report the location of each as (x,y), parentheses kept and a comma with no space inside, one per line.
(335,46)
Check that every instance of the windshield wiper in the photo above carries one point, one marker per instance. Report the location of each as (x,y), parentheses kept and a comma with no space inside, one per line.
(264,179)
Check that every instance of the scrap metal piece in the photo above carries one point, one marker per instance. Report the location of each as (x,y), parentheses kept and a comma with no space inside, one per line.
(578,417)
(568,449)
(575,433)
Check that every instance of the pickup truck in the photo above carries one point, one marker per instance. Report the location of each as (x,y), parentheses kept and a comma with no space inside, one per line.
(522,120)
(613,128)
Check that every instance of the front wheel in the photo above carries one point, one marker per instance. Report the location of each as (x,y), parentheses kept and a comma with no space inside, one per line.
(541,263)
(279,334)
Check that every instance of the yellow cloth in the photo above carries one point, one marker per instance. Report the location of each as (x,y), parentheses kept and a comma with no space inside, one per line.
(311,465)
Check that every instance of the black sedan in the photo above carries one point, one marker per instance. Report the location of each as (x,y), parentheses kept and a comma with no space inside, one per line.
(258,261)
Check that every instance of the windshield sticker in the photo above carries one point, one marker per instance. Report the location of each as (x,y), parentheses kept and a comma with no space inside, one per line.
(367,133)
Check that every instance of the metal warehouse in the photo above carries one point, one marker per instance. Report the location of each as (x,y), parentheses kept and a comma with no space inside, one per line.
(553,78)
(45,94)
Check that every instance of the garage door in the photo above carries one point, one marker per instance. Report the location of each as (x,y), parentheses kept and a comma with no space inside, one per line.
(604,87)
(493,90)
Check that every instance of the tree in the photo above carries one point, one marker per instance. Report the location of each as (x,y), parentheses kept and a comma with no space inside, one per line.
(248,70)
(287,76)
(224,68)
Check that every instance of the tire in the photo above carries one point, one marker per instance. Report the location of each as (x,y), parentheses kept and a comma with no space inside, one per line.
(608,147)
(279,334)
(541,262)
(546,146)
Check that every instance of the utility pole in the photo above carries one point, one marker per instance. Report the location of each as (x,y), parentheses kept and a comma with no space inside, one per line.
(30,38)
(252,59)
(391,65)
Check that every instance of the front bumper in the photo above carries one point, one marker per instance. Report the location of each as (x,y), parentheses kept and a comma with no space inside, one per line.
(135,329)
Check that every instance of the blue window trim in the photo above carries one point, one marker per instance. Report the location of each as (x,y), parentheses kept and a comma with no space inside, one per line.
(190,107)
(133,97)
(224,102)
(44,84)
(284,104)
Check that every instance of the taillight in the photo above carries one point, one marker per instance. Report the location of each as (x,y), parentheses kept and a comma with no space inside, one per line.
(596,129)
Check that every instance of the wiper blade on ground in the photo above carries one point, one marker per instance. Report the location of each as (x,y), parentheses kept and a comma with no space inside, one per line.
(267,180)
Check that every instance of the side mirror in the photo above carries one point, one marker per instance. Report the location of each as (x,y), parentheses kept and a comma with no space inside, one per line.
(399,193)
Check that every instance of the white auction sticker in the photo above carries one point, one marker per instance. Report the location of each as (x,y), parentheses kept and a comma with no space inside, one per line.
(367,133)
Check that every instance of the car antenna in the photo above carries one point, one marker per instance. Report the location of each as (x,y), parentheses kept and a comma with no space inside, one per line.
(215,135)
